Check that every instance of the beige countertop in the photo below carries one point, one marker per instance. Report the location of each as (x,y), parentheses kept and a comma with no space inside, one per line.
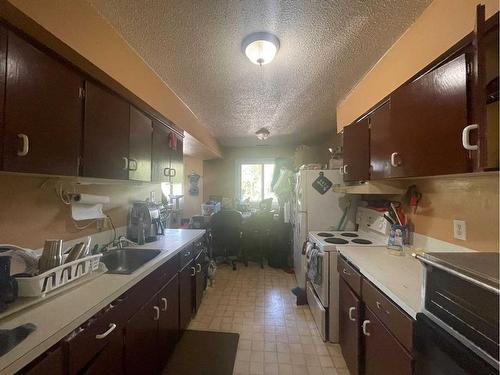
(61,314)
(399,277)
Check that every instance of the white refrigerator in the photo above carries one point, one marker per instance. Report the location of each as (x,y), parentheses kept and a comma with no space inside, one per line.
(314,211)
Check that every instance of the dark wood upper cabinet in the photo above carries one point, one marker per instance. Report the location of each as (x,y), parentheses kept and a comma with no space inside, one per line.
(160,158)
(43,112)
(380,142)
(350,327)
(383,353)
(141,130)
(3,70)
(168,327)
(357,151)
(176,161)
(484,92)
(106,134)
(428,116)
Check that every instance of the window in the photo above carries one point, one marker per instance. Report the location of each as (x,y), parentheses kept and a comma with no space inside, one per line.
(254,181)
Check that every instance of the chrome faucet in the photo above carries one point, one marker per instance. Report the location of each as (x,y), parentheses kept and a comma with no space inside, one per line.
(122,239)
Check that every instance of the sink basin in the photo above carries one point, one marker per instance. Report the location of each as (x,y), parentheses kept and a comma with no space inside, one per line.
(125,261)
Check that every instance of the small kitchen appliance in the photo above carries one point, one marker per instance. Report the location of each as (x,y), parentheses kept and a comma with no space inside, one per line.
(144,222)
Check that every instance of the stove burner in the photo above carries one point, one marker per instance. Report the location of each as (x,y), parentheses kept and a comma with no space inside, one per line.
(362,241)
(349,234)
(339,241)
(325,234)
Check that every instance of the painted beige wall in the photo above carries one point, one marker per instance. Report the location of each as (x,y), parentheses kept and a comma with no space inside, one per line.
(220,174)
(192,203)
(473,199)
(440,26)
(32,212)
(78,24)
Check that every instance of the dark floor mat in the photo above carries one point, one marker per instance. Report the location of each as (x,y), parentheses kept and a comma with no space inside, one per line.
(204,353)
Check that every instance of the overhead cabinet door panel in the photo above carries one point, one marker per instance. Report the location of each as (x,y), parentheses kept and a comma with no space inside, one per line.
(160,153)
(357,151)
(3,69)
(428,116)
(141,130)
(176,164)
(106,134)
(43,112)
(381,144)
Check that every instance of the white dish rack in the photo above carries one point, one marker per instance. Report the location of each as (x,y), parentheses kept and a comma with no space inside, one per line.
(40,285)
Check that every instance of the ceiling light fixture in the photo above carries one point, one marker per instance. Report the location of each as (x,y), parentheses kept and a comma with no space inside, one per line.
(262,134)
(261,47)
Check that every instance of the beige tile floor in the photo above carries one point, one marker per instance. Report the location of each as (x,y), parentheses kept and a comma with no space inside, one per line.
(276,336)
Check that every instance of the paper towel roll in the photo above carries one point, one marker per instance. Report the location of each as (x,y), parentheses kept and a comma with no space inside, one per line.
(89,199)
(87,206)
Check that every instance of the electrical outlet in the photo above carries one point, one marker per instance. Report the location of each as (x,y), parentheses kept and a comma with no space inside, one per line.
(459,230)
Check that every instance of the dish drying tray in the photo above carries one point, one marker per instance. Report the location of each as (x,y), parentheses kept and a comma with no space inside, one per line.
(40,285)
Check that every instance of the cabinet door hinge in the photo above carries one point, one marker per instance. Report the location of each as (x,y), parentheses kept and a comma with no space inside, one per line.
(81,92)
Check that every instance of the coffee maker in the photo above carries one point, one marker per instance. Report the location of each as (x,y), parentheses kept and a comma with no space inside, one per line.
(144,224)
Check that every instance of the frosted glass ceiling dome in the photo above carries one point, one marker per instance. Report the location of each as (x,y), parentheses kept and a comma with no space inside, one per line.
(260,48)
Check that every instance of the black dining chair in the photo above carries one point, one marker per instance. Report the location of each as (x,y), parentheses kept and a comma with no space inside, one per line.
(225,234)
(257,236)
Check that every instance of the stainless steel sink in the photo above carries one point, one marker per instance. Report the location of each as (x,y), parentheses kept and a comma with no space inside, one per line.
(125,261)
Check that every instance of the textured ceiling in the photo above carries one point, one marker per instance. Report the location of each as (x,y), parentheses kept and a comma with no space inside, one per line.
(326,47)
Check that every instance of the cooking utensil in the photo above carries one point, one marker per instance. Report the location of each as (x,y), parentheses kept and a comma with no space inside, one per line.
(395,213)
(75,252)
(51,256)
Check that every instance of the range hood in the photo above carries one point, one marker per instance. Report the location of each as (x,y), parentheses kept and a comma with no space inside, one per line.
(372,187)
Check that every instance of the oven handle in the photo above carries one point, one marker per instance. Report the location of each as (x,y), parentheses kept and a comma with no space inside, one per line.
(457,274)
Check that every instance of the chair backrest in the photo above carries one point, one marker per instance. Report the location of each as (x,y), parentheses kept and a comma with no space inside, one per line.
(225,226)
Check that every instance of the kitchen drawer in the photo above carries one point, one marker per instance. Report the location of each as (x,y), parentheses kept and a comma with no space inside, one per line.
(141,292)
(84,343)
(349,274)
(169,269)
(395,319)
(49,363)
(187,254)
(199,246)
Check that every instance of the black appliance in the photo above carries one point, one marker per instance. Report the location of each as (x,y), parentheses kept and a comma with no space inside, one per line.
(458,331)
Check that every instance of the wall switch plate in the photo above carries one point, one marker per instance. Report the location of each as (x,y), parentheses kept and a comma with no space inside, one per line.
(459,230)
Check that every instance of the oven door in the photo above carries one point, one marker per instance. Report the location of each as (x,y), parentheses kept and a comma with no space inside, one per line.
(318,311)
(321,289)
(439,353)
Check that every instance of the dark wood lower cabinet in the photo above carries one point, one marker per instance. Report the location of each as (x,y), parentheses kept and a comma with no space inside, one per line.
(383,353)
(186,295)
(199,280)
(110,359)
(372,341)
(350,327)
(50,363)
(141,340)
(137,332)
(168,326)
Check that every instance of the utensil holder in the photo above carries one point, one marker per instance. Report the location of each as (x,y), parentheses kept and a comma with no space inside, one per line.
(398,237)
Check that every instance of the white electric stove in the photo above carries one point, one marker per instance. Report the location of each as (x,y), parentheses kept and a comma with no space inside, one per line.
(323,291)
